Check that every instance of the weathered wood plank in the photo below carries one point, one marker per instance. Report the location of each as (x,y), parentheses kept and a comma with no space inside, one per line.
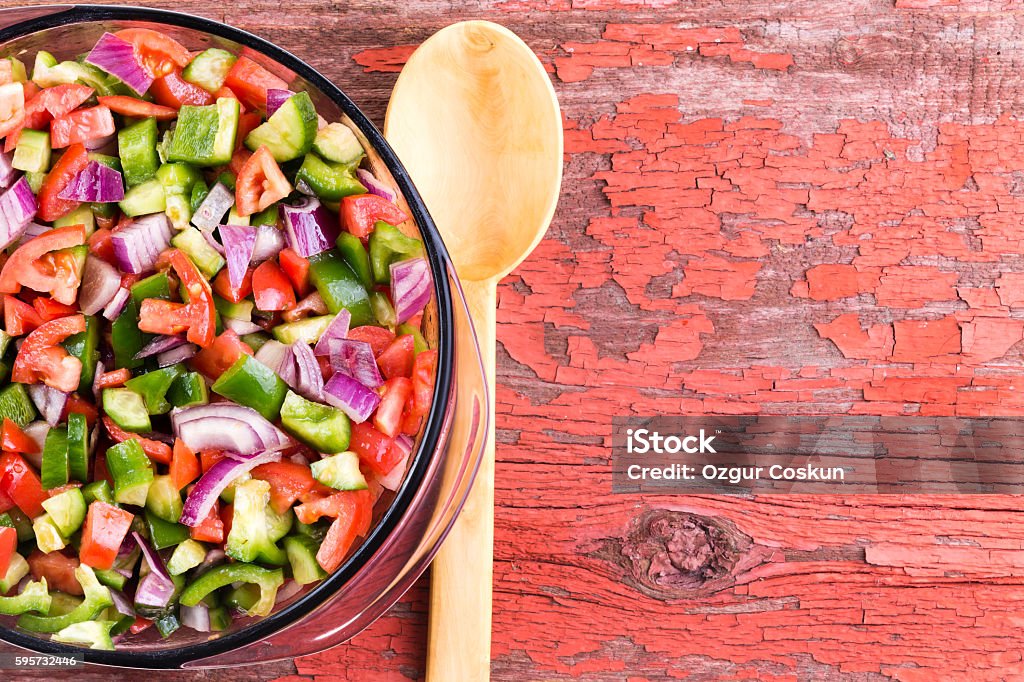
(820,212)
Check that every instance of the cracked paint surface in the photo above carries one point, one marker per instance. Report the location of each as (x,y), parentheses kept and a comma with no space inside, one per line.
(815,208)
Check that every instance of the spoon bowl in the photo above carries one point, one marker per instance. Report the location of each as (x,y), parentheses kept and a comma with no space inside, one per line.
(475,120)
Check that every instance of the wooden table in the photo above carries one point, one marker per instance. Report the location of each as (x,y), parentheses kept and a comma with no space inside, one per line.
(769,206)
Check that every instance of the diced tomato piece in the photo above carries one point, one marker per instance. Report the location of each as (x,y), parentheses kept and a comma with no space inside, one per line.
(210,529)
(379,338)
(375,450)
(154,449)
(51,206)
(113,378)
(41,265)
(81,125)
(288,482)
(99,469)
(184,465)
(105,529)
(238,161)
(271,288)
(6,503)
(260,183)
(20,482)
(227,513)
(58,569)
(42,358)
(101,244)
(359,213)
(174,91)
(137,108)
(424,371)
(397,360)
(198,316)
(139,625)
(159,53)
(222,286)
(210,457)
(48,309)
(49,103)
(81,406)
(14,439)
(297,270)
(219,355)
(8,545)
(250,82)
(351,520)
(19,317)
(388,417)
(247,123)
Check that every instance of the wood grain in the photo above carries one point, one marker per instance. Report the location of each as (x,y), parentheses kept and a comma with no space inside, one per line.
(769,206)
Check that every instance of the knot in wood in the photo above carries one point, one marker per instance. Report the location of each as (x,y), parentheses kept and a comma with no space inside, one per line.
(672,555)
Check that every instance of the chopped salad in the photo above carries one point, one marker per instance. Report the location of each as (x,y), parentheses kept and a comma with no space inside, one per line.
(211,364)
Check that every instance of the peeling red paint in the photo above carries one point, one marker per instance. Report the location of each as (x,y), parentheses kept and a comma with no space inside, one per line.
(385,59)
(636,45)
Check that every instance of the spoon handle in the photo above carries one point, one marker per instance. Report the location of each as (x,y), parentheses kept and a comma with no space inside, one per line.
(459,639)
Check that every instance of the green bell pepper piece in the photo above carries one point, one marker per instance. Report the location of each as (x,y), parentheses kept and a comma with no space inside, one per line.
(340,287)
(111,578)
(94,633)
(205,135)
(383,311)
(268,581)
(330,181)
(419,344)
(136,145)
(126,338)
(267,216)
(163,533)
(389,245)
(197,195)
(188,389)
(352,250)
(97,598)
(251,383)
(85,347)
(154,286)
(323,428)
(255,527)
(153,387)
(34,597)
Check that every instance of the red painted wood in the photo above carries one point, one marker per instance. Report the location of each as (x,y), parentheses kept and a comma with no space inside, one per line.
(768,207)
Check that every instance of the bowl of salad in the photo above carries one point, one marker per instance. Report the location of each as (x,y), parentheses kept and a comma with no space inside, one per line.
(240,397)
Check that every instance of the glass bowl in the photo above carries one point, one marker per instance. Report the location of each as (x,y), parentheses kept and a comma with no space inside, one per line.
(409,526)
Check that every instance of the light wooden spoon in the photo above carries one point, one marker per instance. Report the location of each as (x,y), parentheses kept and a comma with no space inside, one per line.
(475,121)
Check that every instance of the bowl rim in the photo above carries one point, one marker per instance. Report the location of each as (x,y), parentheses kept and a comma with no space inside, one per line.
(439,260)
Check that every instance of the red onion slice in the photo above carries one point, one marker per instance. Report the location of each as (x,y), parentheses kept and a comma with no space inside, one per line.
(410,287)
(375,186)
(100,283)
(117,57)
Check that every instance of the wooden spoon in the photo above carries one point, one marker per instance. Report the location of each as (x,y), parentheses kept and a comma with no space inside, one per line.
(475,121)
